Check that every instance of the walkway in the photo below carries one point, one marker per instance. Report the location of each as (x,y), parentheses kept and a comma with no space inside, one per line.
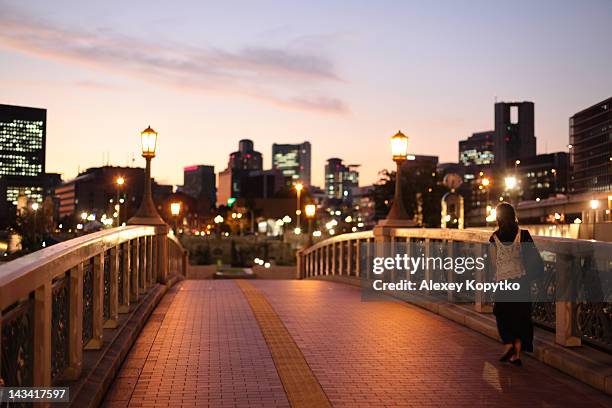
(212,343)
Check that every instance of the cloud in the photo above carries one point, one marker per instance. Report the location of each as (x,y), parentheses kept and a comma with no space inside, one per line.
(284,77)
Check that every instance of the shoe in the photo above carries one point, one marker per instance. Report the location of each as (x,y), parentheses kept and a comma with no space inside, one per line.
(506,355)
(516,362)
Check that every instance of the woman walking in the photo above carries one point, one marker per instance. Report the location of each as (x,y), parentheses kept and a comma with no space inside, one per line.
(512,310)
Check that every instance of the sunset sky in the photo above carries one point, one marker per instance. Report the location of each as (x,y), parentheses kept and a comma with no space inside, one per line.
(344,76)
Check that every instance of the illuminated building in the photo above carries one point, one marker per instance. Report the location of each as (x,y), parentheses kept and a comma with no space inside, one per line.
(477,150)
(591,148)
(340,179)
(293,160)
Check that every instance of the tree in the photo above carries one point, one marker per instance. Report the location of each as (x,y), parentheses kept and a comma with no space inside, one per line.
(422,190)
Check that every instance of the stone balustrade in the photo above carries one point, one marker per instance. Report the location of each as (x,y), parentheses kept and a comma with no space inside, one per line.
(56,302)
(565,261)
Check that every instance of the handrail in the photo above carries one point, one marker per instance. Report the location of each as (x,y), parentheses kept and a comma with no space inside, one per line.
(32,269)
(56,302)
(565,260)
(568,245)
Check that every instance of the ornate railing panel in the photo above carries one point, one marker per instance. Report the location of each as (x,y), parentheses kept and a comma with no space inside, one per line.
(88,300)
(60,323)
(56,302)
(121,279)
(106,304)
(588,262)
(18,344)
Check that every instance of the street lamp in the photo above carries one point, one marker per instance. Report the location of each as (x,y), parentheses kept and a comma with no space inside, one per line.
(218,220)
(310,211)
(147,213)
(298,212)
(485,182)
(175,210)
(399,149)
(120,181)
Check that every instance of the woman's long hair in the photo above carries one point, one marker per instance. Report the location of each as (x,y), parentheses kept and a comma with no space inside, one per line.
(507,224)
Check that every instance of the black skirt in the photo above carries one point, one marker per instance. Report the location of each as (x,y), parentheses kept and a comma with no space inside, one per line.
(514,319)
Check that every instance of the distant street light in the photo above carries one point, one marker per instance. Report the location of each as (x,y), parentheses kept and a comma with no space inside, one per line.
(147,213)
(175,210)
(120,181)
(310,211)
(510,182)
(298,212)
(594,204)
(35,206)
(399,150)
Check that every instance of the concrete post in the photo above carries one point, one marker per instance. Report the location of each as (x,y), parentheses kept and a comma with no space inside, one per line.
(113,317)
(427,269)
(162,254)
(358,258)
(299,261)
(75,325)
(566,333)
(124,303)
(43,309)
(450,274)
(95,342)
(150,261)
(134,267)
(480,303)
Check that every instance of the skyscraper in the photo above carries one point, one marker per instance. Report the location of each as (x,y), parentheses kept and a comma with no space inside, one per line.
(246,158)
(591,151)
(478,149)
(22,151)
(199,182)
(514,132)
(340,179)
(293,160)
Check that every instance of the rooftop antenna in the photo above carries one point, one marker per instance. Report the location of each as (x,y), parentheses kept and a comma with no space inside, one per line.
(495,98)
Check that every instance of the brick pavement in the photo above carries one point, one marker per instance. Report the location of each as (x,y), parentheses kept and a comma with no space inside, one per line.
(206,348)
(207,351)
(393,354)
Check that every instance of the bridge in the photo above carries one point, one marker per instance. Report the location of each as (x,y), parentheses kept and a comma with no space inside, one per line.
(115,317)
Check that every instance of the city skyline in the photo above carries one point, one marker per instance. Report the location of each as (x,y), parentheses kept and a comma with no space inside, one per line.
(279,78)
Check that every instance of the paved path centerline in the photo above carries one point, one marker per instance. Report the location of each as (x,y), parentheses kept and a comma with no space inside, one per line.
(301,385)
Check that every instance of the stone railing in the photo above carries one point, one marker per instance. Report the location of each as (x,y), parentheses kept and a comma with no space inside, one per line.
(56,302)
(566,260)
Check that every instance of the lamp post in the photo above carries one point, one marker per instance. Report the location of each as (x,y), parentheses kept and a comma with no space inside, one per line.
(510,186)
(218,220)
(398,215)
(298,212)
(175,210)
(310,211)
(120,182)
(147,213)
(485,182)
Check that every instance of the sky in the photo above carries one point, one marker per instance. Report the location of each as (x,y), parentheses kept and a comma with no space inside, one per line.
(344,75)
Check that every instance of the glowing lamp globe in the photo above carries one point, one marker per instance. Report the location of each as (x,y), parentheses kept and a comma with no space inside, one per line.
(310,210)
(149,142)
(175,208)
(399,146)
